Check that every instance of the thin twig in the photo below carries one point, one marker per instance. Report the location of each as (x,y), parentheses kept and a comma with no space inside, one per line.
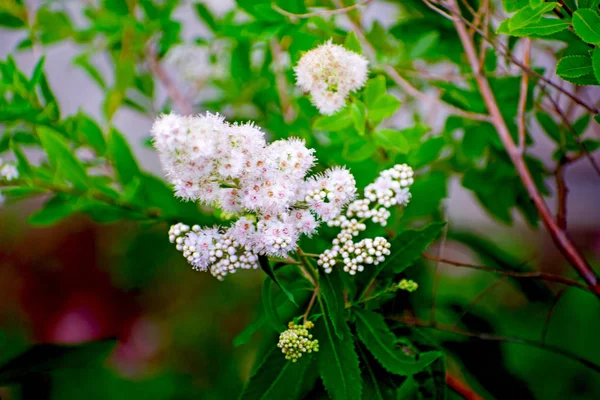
(523,96)
(497,338)
(311,303)
(461,387)
(560,238)
(561,195)
(550,313)
(524,275)
(322,13)
(180,100)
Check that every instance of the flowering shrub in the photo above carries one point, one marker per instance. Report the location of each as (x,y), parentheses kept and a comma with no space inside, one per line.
(285,150)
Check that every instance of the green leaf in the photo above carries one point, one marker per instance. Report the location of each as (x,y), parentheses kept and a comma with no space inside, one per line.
(54,210)
(266,267)
(276,378)
(352,43)
(338,362)
(331,289)
(119,152)
(511,6)
(374,89)
(596,62)
(544,27)
(529,15)
(358,116)
(336,122)
(427,193)
(391,139)
(90,133)
(112,102)
(588,3)
(269,306)
(22,163)
(244,336)
(381,342)
(206,16)
(586,23)
(424,44)
(574,66)
(61,157)
(36,76)
(535,3)
(84,62)
(597,118)
(383,107)
(357,150)
(373,388)
(48,358)
(428,152)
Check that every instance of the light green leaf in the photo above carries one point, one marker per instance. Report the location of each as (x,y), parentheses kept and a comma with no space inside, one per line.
(90,133)
(352,43)
(374,89)
(22,162)
(358,116)
(391,139)
(334,123)
(529,15)
(586,23)
(383,107)
(544,27)
(596,62)
(504,27)
(574,66)
(358,150)
(535,3)
(276,378)
(338,362)
(381,342)
(119,152)
(331,289)
(61,157)
(424,44)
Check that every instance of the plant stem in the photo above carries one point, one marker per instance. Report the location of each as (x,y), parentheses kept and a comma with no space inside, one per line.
(311,303)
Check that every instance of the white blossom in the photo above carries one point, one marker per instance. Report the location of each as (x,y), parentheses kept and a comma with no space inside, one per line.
(329,73)
(8,171)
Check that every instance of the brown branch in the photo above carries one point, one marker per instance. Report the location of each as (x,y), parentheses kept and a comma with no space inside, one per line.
(560,238)
(524,275)
(478,298)
(180,100)
(461,387)
(311,303)
(411,321)
(340,10)
(523,97)
(561,195)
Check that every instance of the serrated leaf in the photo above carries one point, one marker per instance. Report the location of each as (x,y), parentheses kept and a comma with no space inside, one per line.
(269,306)
(61,157)
(352,43)
(574,66)
(331,290)
(276,378)
(122,157)
(596,62)
(391,139)
(586,23)
(48,358)
(529,15)
(381,343)
(338,362)
(266,267)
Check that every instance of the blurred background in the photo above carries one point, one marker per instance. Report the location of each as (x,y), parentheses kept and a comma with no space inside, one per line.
(78,281)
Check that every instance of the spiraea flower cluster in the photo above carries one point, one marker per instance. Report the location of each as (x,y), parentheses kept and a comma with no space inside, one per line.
(329,73)
(8,171)
(391,188)
(296,341)
(263,186)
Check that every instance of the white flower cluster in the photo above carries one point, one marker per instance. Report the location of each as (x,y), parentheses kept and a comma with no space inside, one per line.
(264,186)
(329,73)
(389,189)
(191,62)
(8,171)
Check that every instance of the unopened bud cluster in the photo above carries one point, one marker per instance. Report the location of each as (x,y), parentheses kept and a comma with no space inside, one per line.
(262,187)
(329,73)
(389,189)
(296,341)
(408,285)
(8,171)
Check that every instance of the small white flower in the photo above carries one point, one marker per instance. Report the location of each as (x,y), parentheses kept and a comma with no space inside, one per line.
(9,172)
(329,73)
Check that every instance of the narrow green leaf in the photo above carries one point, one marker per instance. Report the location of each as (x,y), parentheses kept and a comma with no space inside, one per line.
(266,267)
(596,62)
(276,378)
(206,16)
(22,162)
(574,66)
(122,157)
(597,118)
(352,43)
(544,27)
(54,210)
(331,289)
(529,15)
(36,76)
(61,157)
(270,307)
(338,362)
(48,358)
(586,23)
(90,133)
(381,342)
(84,62)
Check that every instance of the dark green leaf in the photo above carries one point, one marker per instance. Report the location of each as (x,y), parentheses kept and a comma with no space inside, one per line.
(244,336)
(61,157)
(358,150)
(428,152)
(381,342)
(596,62)
(331,289)
(22,162)
(54,210)
(270,307)
(266,267)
